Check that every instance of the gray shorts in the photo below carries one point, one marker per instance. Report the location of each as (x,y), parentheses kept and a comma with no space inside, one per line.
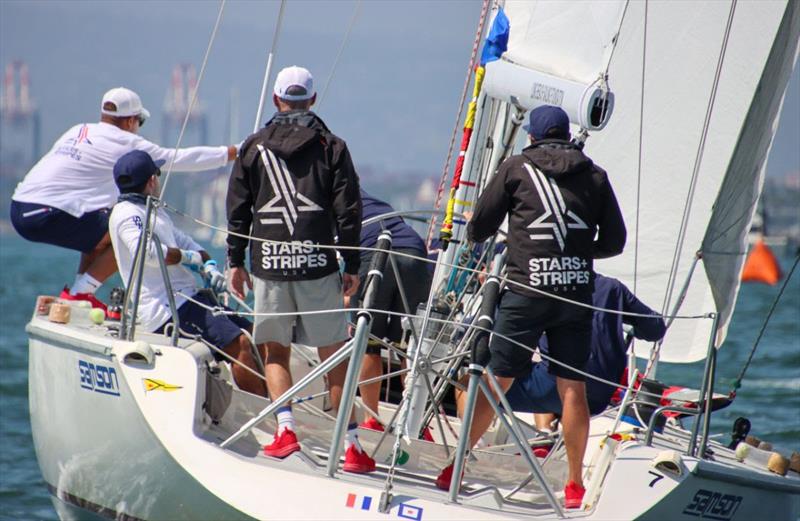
(288,296)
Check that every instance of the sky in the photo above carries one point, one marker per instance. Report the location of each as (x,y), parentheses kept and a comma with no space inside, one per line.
(393,97)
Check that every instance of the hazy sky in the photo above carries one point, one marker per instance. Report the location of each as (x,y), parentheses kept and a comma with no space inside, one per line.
(393,97)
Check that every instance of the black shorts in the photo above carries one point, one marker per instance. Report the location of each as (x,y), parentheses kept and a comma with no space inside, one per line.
(416,281)
(524,319)
(42,223)
(217,330)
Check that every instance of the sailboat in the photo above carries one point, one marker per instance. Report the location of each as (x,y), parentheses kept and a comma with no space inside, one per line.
(679,102)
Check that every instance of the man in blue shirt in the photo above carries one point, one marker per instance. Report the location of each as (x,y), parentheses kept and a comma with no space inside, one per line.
(607,358)
(416,282)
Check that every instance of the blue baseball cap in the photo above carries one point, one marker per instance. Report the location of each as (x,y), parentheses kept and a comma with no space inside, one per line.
(547,120)
(135,168)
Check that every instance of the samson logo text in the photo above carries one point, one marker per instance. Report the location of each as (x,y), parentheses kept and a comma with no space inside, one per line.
(713,505)
(98,378)
(547,94)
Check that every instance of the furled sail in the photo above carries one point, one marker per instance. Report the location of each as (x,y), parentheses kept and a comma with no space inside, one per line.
(687,146)
(557,54)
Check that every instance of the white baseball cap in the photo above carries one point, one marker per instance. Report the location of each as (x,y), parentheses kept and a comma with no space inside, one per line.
(294,76)
(127,102)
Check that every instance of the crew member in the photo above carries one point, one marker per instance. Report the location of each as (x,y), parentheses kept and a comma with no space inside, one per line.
(562,214)
(294,183)
(136,175)
(537,393)
(415,279)
(66,198)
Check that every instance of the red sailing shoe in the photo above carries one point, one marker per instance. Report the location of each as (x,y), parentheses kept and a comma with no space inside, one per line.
(372,424)
(542,451)
(427,435)
(282,445)
(445,477)
(88,297)
(357,461)
(573,495)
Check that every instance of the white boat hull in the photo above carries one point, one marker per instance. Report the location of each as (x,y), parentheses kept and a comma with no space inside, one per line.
(110,448)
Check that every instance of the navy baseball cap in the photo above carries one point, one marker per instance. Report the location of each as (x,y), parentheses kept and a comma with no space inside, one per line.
(548,119)
(135,168)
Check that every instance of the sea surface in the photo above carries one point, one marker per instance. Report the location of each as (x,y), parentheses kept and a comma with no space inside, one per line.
(769,396)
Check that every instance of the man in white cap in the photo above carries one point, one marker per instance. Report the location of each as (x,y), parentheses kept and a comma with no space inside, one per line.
(294,184)
(66,198)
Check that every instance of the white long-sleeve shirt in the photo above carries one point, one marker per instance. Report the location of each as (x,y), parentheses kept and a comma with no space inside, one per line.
(125,227)
(76,175)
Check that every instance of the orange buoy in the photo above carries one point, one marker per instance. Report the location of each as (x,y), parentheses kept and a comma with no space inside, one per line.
(761,265)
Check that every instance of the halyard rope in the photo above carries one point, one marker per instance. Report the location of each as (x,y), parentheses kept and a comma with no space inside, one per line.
(193,100)
(475,46)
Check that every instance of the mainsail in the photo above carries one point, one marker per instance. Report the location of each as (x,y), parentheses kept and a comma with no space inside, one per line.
(697,88)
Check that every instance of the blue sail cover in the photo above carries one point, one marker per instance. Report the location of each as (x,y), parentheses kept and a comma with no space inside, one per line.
(497,41)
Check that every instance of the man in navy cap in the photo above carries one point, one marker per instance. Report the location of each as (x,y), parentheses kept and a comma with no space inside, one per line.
(562,214)
(136,175)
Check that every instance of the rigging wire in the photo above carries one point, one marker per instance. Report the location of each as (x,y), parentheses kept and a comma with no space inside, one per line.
(641,150)
(470,70)
(738,382)
(346,38)
(167,207)
(268,68)
(655,352)
(193,101)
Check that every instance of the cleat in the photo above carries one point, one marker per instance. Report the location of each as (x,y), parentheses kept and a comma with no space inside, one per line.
(88,297)
(357,461)
(573,495)
(282,445)
(372,424)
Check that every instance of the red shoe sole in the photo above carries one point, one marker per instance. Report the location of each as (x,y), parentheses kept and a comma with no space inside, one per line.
(573,504)
(282,452)
(357,468)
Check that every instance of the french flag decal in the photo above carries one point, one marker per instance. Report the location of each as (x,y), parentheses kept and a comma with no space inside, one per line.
(365,503)
(407,511)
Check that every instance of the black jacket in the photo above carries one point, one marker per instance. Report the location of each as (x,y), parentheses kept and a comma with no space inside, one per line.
(557,200)
(294,181)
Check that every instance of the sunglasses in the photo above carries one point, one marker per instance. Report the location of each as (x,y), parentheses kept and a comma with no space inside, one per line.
(142,119)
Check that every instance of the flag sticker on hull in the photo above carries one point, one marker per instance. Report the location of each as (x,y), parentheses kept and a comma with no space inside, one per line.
(151,384)
(364,504)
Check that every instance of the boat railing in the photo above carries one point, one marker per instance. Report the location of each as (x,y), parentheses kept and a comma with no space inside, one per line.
(465,298)
(128,324)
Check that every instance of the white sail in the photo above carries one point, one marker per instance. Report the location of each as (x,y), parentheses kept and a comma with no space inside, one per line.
(683,45)
(570,40)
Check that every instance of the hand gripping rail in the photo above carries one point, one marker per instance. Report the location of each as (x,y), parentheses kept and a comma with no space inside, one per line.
(355,347)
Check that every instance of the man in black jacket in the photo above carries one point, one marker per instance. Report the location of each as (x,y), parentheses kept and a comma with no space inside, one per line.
(556,201)
(295,184)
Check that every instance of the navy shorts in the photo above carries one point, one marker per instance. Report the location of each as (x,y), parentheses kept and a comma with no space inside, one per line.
(524,319)
(535,393)
(41,223)
(416,280)
(217,330)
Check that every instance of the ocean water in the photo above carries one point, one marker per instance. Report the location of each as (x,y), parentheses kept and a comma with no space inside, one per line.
(769,396)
